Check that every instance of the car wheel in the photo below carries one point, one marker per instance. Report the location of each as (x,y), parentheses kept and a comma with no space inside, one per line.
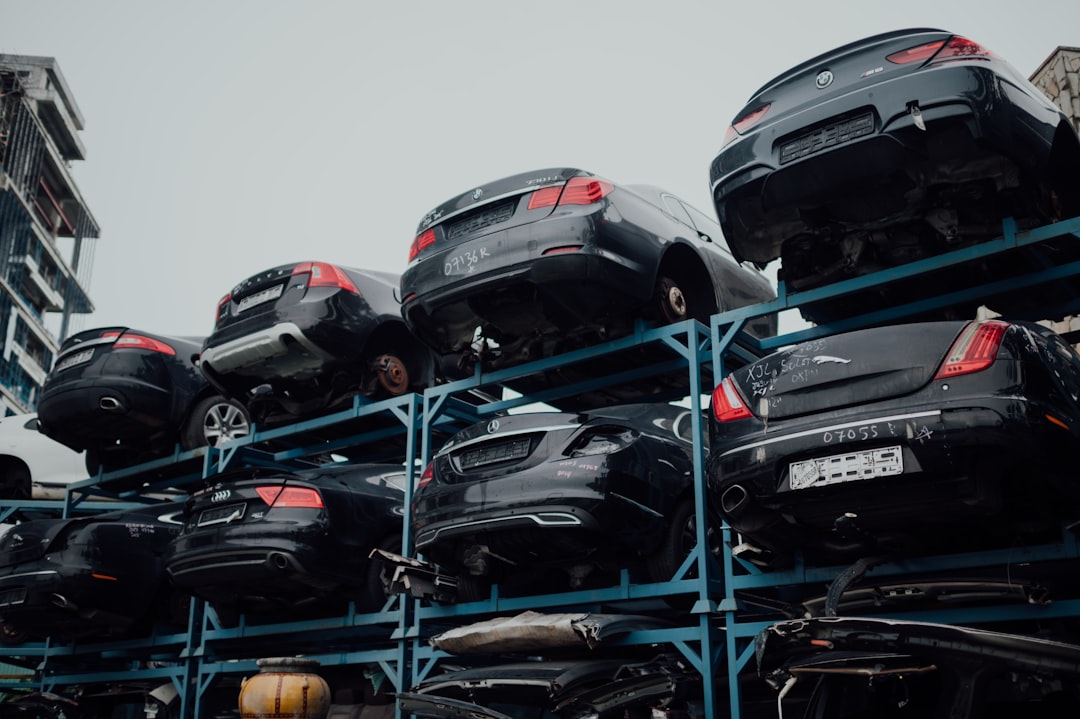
(15,483)
(672,301)
(376,589)
(679,541)
(214,420)
(11,636)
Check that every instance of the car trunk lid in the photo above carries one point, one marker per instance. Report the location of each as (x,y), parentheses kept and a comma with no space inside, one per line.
(277,288)
(248,501)
(844,370)
(30,541)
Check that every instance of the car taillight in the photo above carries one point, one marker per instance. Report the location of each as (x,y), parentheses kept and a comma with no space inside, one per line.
(323,274)
(427,475)
(745,122)
(585,191)
(545,197)
(222,304)
(139,342)
(423,241)
(727,405)
(974,350)
(955,48)
(290,497)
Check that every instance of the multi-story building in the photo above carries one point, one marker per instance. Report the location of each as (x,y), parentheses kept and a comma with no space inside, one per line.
(45,256)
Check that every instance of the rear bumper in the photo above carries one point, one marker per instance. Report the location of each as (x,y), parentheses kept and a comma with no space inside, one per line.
(88,412)
(285,347)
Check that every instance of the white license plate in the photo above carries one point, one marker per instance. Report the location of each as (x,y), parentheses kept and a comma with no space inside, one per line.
(270,293)
(72,360)
(848,467)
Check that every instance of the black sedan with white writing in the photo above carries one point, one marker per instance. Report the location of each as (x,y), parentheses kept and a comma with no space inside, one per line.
(944,435)
(891,149)
(578,494)
(548,261)
(260,539)
(93,575)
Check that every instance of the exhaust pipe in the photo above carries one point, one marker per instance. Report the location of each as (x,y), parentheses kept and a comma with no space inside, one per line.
(110,404)
(62,602)
(279,561)
(733,497)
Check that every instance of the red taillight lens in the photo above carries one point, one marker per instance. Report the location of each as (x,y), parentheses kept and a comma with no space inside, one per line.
(290,497)
(585,191)
(955,48)
(727,405)
(323,274)
(974,350)
(138,342)
(221,305)
(562,250)
(746,122)
(427,475)
(423,241)
(545,197)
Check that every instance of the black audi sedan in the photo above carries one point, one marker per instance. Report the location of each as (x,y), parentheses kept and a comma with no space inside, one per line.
(300,338)
(547,261)
(127,396)
(264,541)
(89,576)
(891,149)
(943,436)
(573,496)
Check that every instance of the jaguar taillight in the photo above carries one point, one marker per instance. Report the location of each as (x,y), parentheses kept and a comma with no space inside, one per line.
(131,341)
(974,350)
(727,405)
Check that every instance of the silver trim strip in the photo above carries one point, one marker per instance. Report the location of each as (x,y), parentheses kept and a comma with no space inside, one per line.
(561,519)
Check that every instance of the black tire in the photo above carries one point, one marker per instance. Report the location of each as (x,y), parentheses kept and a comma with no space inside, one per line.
(213,420)
(10,636)
(15,483)
(679,541)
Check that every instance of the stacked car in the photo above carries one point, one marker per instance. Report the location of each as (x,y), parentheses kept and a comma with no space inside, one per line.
(907,425)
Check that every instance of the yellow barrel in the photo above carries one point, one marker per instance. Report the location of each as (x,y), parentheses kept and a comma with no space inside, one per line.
(285,688)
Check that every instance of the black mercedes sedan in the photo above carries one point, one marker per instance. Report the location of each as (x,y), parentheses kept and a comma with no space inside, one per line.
(891,149)
(943,436)
(91,576)
(547,261)
(573,496)
(264,541)
(303,337)
(127,396)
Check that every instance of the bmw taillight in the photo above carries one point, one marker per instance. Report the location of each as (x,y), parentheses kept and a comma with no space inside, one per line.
(585,191)
(423,241)
(222,306)
(290,497)
(427,475)
(955,48)
(324,274)
(727,405)
(138,342)
(744,123)
(974,350)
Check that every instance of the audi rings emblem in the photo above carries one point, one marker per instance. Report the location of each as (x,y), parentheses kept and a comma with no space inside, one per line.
(220,496)
(824,79)
(493,426)
(477,193)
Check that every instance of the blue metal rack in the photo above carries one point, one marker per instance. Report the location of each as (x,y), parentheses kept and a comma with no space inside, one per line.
(684,361)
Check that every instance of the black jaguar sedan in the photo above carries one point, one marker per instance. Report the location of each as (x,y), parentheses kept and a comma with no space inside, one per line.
(128,396)
(944,436)
(577,494)
(547,261)
(891,149)
(303,337)
(91,576)
(264,541)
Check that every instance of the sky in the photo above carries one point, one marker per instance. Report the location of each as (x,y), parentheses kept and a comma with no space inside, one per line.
(225,137)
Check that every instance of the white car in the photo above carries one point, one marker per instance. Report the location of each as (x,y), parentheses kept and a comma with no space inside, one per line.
(33,466)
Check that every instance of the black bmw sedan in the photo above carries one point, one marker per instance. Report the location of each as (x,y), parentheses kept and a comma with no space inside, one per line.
(303,337)
(262,540)
(888,150)
(128,396)
(93,575)
(944,436)
(577,495)
(547,261)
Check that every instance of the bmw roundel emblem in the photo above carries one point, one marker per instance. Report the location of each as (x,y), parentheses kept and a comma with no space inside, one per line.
(493,426)
(824,79)
(477,193)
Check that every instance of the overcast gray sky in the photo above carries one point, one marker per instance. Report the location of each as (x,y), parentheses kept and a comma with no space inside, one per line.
(226,137)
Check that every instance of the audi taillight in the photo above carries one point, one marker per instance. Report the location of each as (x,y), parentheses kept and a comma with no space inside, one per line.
(974,350)
(323,274)
(727,405)
(955,48)
(138,342)
(423,241)
(290,497)
(745,122)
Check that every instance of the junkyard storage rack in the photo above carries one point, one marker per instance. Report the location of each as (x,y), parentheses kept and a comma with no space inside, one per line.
(714,600)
